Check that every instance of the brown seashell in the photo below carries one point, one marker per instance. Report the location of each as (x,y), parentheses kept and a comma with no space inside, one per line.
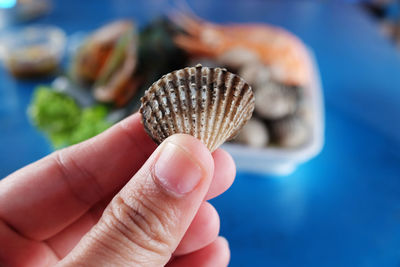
(210,104)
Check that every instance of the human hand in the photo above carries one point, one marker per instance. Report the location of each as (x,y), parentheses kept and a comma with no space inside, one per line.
(58,210)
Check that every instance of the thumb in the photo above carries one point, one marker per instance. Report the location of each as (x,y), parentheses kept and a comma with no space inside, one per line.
(144,223)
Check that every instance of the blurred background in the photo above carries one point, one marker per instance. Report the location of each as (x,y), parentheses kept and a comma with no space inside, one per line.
(318,180)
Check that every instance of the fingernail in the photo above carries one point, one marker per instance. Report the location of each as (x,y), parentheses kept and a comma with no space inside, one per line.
(176,170)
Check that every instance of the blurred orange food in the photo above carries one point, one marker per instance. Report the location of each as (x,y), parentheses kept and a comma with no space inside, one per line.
(107,61)
(283,52)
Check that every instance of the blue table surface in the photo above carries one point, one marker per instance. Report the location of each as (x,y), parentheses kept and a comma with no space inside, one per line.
(340,209)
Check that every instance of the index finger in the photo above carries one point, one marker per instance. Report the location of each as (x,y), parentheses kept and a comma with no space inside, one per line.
(45,197)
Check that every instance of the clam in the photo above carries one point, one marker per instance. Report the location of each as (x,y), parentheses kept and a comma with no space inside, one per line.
(290,132)
(236,58)
(305,111)
(256,74)
(275,100)
(254,134)
(210,104)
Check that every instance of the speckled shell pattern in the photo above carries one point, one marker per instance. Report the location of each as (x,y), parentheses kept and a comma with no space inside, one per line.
(210,104)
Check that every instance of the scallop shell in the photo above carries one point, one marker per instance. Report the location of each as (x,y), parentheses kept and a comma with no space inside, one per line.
(210,104)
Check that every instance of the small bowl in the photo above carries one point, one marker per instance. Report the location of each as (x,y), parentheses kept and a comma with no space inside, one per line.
(33,51)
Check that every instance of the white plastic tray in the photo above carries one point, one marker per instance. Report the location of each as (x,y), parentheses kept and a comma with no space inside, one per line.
(281,161)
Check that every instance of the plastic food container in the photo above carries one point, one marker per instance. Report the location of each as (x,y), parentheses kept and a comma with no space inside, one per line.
(283,161)
(32,51)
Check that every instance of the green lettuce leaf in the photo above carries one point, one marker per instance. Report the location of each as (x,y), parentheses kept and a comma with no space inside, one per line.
(62,120)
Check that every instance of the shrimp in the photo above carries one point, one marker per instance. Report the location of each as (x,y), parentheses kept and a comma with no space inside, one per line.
(283,52)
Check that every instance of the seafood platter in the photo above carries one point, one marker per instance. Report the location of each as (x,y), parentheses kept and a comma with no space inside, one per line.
(268,105)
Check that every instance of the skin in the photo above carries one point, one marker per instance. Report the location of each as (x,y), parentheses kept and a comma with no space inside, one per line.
(101,202)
